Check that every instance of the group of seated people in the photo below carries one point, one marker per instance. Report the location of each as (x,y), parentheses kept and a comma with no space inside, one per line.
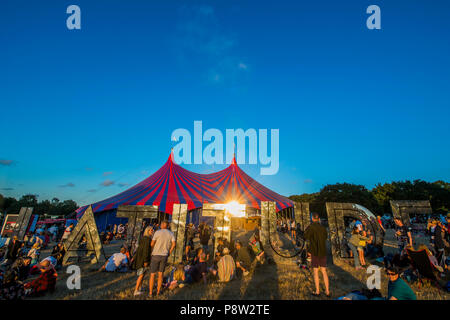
(228,261)
(16,271)
(401,266)
(397,289)
(115,231)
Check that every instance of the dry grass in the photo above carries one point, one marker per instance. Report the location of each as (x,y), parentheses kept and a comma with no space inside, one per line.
(281,280)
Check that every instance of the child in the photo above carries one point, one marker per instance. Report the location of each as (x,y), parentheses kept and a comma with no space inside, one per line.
(358,241)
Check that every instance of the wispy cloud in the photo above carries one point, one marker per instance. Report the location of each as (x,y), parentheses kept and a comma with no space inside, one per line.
(5,162)
(107,183)
(307,181)
(92,190)
(123,184)
(201,41)
(67,185)
(7,189)
(88,169)
(107,173)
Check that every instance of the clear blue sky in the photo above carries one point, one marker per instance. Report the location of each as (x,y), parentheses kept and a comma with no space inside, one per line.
(81,108)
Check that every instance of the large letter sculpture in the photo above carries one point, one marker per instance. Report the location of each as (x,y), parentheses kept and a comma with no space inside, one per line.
(222,222)
(268,225)
(302,215)
(178,227)
(401,209)
(85,227)
(23,221)
(135,215)
(336,213)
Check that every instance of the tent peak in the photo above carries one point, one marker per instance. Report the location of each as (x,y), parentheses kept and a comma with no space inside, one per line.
(171,156)
(233,161)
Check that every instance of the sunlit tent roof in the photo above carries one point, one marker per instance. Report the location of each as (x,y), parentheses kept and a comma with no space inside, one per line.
(174,184)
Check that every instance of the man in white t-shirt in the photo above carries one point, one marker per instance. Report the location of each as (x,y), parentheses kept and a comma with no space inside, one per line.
(117,262)
(163,243)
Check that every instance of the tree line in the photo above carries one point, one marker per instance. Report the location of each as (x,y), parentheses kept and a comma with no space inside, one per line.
(54,207)
(378,199)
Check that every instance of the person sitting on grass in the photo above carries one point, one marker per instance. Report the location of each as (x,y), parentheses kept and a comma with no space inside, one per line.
(58,252)
(199,271)
(243,258)
(34,253)
(177,277)
(46,282)
(11,286)
(257,248)
(398,289)
(226,268)
(200,251)
(222,243)
(120,231)
(117,262)
(109,237)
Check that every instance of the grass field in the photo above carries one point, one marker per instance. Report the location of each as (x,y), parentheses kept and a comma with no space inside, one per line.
(281,280)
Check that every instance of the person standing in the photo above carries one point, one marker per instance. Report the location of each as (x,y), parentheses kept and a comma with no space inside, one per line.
(190,235)
(205,235)
(67,232)
(439,245)
(317,236)
(141,260)
(13,249)
(380,223)
(403,234)
(162,244)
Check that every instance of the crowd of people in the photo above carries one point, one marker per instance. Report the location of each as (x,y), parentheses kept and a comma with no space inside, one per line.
(200,264)
(23,273)
(400,265)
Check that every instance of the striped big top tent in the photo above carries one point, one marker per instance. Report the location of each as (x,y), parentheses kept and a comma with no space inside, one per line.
(174,184)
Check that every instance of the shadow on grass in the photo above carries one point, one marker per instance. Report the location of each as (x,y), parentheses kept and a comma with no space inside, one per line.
(263,284)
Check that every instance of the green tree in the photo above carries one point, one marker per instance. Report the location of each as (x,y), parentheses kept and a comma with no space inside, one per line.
(438,193)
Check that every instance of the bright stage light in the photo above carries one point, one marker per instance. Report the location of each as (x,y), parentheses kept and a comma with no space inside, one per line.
(235,209)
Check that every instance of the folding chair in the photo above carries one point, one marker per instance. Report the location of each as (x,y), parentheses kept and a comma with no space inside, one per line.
(422,264)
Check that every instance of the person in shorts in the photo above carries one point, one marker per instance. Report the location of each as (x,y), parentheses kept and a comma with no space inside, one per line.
(163,243)
(317,236)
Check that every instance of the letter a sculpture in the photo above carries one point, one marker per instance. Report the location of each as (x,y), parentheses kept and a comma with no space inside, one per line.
(85,227)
